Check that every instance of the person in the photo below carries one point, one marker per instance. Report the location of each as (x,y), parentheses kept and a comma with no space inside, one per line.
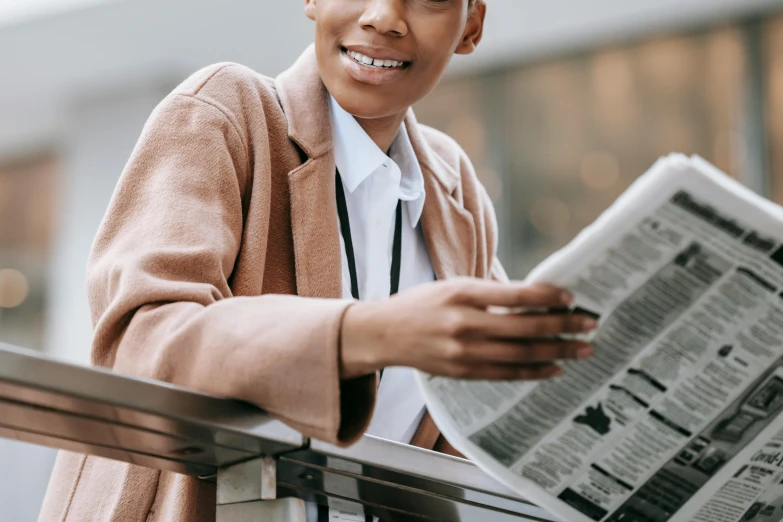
(259,229)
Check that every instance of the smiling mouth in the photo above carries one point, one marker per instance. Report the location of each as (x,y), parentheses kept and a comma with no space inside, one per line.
(374,63)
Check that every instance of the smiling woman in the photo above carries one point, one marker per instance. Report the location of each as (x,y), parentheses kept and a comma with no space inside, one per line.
(278,241)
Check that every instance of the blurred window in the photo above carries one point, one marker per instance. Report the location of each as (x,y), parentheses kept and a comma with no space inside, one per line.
(27,209)
(773,59)
(557,141)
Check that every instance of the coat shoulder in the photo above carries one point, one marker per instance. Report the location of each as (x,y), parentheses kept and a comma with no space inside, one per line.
(446,148)
(224,79)
(453,159)
(470,194)
(240,93)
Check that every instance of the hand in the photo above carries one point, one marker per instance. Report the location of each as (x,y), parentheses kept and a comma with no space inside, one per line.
(446,329)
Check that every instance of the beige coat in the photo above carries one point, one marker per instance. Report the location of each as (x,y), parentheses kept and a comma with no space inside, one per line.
(225,214)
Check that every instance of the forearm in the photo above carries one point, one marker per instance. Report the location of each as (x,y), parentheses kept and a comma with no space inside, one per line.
(280,353)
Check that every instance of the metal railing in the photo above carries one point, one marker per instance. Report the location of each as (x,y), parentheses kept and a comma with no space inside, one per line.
(258,462)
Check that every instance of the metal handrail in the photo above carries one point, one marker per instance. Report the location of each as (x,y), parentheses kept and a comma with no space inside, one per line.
(161,426)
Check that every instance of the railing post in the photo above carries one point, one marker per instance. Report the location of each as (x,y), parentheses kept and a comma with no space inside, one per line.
(247,492)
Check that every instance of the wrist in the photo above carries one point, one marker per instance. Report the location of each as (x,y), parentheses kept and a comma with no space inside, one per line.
(360,342)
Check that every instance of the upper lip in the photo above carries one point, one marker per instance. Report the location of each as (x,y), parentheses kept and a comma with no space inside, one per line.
(379,53)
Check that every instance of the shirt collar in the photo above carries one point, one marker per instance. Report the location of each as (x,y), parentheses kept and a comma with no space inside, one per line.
(357,156)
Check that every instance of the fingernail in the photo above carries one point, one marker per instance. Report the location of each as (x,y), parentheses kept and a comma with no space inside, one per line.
(567,298)
(584,352)
(588,325)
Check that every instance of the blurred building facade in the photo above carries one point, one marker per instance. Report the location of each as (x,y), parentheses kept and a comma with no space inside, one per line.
(564,105)
(557,140)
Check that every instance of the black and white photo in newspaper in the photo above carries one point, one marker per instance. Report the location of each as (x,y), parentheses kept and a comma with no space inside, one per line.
(685,273)
(750,490)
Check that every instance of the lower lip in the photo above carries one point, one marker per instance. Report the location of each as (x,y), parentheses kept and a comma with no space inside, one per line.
(368,74)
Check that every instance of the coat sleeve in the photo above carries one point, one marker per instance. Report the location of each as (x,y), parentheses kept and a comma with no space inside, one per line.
(159,293)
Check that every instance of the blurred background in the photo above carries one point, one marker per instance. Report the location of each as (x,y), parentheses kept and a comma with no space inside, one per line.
(563,106)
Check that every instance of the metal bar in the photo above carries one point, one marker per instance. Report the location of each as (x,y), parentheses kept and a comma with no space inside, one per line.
(283,510)
(387,478)
(156,425)
(98,403)
(120,454)
(419,464)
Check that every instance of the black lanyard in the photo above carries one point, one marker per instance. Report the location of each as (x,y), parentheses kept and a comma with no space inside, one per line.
(394,276)
(345,226)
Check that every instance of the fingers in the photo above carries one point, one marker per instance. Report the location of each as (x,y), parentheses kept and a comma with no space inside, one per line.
(470,322)
(493,372)
(480,293)
(499,353)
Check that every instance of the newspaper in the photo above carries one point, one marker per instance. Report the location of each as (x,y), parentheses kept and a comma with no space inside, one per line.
(675,418)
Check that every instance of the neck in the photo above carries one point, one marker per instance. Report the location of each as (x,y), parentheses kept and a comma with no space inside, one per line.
(382,130)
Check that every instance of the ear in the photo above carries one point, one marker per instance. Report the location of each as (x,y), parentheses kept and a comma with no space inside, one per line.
(474,29)
(310,9)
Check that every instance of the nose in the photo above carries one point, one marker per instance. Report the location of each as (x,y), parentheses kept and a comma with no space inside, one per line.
(385,16)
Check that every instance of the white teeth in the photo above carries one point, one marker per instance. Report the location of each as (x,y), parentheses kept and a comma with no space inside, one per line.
(366,60)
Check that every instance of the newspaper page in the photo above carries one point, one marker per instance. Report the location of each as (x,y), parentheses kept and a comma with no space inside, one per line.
(685,275)
(750,488)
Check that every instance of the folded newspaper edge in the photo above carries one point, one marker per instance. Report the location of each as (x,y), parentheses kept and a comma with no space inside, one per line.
(694,255)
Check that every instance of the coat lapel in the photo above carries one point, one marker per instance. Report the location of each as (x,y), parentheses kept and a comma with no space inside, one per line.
(449,230)
(315,232)
(305,102)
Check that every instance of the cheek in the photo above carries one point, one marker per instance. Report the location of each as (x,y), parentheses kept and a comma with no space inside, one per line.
(324,33)
(333,21)
(435,55)
(437,40)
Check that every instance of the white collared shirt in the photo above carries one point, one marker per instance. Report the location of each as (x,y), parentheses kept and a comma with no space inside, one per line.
(373,183)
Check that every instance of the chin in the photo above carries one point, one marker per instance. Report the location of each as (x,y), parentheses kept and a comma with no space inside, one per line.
(368,107)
